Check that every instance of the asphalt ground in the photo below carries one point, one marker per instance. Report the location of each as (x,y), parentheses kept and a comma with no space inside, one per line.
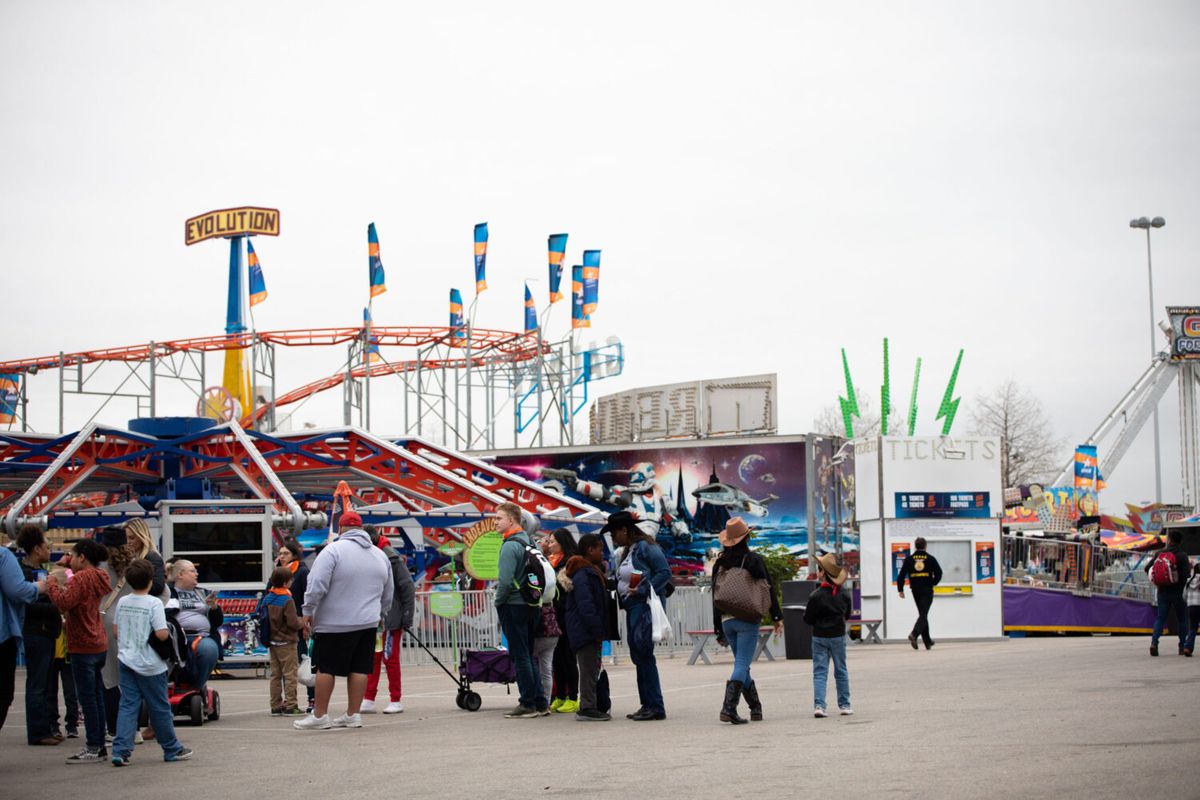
(1030,718)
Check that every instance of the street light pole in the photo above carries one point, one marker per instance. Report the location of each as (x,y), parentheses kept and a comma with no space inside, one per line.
(1146,224)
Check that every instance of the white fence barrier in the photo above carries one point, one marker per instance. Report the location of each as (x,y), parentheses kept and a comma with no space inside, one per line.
(689,609)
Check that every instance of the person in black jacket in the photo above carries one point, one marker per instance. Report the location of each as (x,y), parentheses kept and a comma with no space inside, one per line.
(739,628)
(43,622)
(923,573)
(827,611)
(1171,595)
(586,606)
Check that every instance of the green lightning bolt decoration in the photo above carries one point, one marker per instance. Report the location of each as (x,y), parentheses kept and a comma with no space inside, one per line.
(849,406)
(912,402)
(950,406)
(885,393)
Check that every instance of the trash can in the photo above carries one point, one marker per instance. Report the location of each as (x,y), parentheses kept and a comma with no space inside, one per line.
(797,634)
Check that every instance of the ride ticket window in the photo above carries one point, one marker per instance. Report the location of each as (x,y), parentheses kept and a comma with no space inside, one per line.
(957,559)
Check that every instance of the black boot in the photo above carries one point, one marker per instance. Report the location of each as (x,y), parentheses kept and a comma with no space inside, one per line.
(750,692)
(733,691)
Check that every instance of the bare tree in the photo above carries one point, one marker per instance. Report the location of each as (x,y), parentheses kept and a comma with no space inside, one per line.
(1030,452)
(829,421)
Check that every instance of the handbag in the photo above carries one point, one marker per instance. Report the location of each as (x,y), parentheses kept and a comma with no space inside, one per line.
(739,594)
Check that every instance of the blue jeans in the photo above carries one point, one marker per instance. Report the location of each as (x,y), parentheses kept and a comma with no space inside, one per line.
(1166,600)
(136,688)
(743,639)
(41,690)
(823,650)
(641,652)
(518,624)
(89,687)
(206,656)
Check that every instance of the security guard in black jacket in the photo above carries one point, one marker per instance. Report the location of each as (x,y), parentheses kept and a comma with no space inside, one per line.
(923,573)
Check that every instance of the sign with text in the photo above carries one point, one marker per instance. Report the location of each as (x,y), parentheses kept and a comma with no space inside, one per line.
(985,562)
(942,504)
(482,558)
(226,222)
(1185,332)
(900,552)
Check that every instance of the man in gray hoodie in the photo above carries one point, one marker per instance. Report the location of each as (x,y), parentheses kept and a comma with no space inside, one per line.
(349,592)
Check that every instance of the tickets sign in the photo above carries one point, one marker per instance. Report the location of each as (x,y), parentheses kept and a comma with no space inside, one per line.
(226,222)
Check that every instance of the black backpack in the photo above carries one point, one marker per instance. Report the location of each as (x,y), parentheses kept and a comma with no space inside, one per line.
(262,622)
(536,577)
(173,649)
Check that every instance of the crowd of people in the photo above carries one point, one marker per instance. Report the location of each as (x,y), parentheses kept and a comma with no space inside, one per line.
(95,625)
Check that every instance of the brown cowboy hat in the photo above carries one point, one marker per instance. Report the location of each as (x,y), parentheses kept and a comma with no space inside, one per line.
(829,565)
(735,530)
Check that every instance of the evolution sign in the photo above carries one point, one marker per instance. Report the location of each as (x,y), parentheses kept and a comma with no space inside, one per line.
(232,222)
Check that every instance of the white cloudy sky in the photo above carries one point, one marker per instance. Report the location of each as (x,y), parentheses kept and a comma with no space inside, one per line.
(768,182)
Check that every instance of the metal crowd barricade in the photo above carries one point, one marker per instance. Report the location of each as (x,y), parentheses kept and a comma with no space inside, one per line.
(1078,567)
(689,608)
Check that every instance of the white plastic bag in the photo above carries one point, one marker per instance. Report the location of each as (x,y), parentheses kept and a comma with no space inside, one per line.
(660,626)
(304,675)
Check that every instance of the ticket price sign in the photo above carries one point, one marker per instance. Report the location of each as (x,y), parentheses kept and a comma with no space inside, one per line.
(900,552)
(985,562)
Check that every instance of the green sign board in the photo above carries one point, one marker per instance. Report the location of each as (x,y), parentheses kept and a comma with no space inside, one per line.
(446,604)
(451,549)
(483,557)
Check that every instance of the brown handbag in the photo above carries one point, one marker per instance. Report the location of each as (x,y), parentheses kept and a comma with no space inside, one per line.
(739,594)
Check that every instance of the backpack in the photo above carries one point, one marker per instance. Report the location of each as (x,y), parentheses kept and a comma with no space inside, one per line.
(536,580)
(1164,571)
(262,622)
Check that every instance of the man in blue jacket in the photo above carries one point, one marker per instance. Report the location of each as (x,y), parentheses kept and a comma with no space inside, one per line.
(518,619)
(640,566)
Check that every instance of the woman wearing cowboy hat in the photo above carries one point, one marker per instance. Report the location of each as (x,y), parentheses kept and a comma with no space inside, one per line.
(827,611)
(739,629)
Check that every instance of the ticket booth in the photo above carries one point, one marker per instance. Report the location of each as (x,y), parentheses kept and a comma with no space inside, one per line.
(947,490)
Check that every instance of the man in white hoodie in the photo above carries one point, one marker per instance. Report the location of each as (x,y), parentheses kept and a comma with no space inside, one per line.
(349,592)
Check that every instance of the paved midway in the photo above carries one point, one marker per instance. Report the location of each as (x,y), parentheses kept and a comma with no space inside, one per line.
(1031,718)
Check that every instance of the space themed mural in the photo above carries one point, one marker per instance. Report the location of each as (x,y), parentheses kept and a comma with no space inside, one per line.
(684,493)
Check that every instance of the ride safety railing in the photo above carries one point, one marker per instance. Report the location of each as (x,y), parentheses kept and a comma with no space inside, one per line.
(478,627)
(1082,567)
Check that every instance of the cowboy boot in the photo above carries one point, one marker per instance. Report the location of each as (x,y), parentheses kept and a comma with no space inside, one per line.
(750,692)
(733,691)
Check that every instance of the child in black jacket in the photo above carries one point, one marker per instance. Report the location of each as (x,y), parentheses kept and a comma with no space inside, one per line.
(827,611)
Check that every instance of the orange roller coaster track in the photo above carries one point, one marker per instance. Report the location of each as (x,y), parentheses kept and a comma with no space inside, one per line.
(517,346)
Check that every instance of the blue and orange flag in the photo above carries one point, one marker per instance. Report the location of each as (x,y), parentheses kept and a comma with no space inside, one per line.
(531,323)
(481,237)
(591,281)
(258,286)
(578,318)
(457,322)
(1087,469)
(375,263)
(10,396)
(373,354)
(558,249)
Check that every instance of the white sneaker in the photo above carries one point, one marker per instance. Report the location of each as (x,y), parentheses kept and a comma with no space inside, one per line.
(846,711)
(348,721)
(367,707)
(312,723)
(819,712)
(393,708)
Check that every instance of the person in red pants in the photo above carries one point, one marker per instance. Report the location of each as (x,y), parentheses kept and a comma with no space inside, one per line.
(398,619)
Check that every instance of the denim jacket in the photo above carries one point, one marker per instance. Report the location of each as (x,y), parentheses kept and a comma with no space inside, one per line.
(650,560)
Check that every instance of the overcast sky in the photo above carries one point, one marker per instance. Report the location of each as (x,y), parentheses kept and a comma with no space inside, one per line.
(768,181)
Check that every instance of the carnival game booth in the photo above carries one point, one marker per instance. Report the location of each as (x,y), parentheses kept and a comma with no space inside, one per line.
(947,490)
